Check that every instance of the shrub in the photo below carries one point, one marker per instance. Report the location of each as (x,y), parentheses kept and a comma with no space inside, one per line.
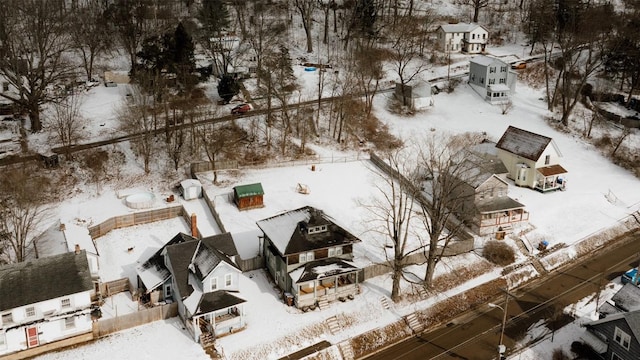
(499,253)
(558,354)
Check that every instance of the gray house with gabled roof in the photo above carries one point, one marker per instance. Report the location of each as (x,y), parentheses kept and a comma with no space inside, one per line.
(45,300)
(308,255)
(492,78)
(532,160)
(621,333)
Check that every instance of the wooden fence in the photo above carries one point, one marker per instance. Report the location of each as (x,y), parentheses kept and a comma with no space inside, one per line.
(104,327)
(115,287)
(135,218)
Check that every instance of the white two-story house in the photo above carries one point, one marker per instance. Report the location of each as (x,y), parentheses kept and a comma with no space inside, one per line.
(462,37)
(532,160)
(492,78)
(45,300)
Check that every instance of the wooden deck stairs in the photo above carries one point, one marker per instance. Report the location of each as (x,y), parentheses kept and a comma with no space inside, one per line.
(346,350)
(323,304)
(422,292)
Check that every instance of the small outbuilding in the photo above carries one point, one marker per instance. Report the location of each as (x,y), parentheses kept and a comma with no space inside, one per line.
(191,189)
(248,196)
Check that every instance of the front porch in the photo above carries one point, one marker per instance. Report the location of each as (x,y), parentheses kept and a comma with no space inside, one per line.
(498,213)
(550,178)
(324,280)
(216,314)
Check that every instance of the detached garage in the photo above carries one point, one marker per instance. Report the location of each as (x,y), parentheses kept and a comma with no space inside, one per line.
(248,196)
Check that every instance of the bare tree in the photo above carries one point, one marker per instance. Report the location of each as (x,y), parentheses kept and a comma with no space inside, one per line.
(626,131)
(96,162)
(393,215)
(368,71)
(306,8)
(33,41)
(444,174)
(476,5)
(137,117)
(67,122)
(405,51)
(220,141)
(88,27)
(22,209)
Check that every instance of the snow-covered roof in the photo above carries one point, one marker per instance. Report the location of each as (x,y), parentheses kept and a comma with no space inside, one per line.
(206,258)
(486,60)
(78,235)
(247,243)
(460,27)
(288,231)
(153,272)
(632,318)
(321,269)
(523,143)
(190,183)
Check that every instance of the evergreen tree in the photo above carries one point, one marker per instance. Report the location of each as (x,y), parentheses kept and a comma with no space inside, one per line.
(214,17)
(181,58)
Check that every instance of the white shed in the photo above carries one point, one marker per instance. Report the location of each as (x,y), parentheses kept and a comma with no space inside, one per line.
(191,189)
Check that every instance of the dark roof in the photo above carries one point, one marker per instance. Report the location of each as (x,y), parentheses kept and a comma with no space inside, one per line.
(632,318)
(552,170)
(503,203)
(523,143)
(206,258)
(626,299)
(289,231)
(248,190)
(217,300)
(180,256)
(320,269)
(42,279)
(223,242)
(153,271)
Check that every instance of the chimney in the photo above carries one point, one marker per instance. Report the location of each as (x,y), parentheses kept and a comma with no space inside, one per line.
(194,226)
(77,249)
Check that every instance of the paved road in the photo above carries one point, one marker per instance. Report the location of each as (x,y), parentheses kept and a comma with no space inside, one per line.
(476,335)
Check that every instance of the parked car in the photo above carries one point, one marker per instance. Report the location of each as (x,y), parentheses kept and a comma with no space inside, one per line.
(519,65)
(241,109)
(630,277)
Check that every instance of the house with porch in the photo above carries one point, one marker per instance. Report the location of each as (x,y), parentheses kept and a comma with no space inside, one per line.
(492,78)
(620,335)
(480,194)
(44,301)
(471,38)
(309,257)
(201,275)
(532,160)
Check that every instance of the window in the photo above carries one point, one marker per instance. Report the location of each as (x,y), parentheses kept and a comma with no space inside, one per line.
(484,36)
(622,338)
(5,86)
(503,81)
(65,303)
(473,36)
(214,283)
(492,81)
(614,356)
(30,311)
(227,280)
(303,257)
(69,323)
(310,256)
(332,252)
(547,159)
(167,291)
(492,69)
(473,77)
(7,318)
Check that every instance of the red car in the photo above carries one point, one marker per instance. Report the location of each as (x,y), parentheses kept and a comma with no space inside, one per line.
(241,109)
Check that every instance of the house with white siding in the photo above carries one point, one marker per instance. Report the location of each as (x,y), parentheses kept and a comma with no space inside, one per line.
(470,38)
(45,300)
(492,78)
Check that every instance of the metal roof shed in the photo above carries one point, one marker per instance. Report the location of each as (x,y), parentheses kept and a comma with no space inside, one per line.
(248,196)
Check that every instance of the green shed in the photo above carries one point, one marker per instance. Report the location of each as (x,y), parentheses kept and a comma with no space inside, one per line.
(248,196)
